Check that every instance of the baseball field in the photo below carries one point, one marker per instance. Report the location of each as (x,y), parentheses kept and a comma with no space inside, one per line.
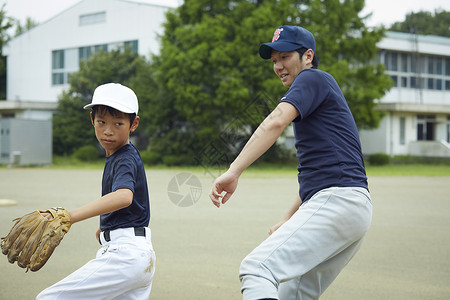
(406,254)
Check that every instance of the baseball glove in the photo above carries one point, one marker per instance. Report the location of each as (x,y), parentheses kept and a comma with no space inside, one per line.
(33,237)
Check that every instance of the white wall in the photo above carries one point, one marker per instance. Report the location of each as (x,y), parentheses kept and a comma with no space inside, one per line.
(375,141)
(29,55)
(408,95)
(31,140)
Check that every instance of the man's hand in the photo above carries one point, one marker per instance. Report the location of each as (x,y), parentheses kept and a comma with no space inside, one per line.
(227,183)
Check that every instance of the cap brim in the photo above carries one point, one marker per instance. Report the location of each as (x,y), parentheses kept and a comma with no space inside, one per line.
(265,50)
(113,104)
(89,106)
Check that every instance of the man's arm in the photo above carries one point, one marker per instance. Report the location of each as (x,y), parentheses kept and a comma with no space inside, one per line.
(262,139)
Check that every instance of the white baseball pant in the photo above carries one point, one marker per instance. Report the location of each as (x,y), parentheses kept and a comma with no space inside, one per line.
(123,269)
(301,259)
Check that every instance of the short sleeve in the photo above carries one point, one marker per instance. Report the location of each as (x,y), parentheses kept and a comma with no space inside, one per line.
(307,92)
(124,175)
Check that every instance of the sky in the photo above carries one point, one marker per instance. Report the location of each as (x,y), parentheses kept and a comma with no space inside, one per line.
(384,12)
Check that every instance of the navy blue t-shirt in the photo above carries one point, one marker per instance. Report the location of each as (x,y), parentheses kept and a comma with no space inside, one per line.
(125,170)
(326,136)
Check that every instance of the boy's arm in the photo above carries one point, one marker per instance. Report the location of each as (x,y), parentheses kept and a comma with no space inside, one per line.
(261,140)
(108,203)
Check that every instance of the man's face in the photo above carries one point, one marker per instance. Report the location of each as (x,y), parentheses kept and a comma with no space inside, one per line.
(113,131)
(287,65)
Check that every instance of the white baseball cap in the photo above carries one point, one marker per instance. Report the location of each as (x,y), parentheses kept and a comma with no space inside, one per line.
(116,96)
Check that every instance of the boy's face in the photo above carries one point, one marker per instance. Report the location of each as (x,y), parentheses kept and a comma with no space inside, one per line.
(113,131)
(287,65)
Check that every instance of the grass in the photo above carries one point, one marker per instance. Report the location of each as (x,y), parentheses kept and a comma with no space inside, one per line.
(262,169)
(409,170)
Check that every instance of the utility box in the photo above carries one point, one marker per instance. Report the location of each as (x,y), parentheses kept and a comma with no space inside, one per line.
(25,142)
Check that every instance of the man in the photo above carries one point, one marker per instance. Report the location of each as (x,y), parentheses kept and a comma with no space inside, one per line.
(325,226)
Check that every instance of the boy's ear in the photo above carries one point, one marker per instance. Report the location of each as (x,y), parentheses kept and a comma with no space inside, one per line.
(135,124)
(92,120)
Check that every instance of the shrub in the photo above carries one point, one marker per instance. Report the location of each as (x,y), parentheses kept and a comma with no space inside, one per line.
(86,153)
(409,159)
(150,157)
(177,160)
(379,159)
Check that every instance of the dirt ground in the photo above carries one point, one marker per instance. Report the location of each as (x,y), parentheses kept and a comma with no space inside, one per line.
(406,254)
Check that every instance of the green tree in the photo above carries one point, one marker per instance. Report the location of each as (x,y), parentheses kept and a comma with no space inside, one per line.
(72,127)
(29,23)
(209,72)
(5,24)
(424,22)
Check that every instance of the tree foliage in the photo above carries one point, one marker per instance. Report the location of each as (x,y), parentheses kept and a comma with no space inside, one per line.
(72,126)
(22,28)
(424,22)
(5,24)
(209,72)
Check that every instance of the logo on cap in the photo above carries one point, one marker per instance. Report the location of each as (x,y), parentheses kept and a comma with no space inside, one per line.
(276,34)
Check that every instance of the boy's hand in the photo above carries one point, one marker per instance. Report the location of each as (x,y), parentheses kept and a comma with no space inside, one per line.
(97,234)
(276,226)
(47,215)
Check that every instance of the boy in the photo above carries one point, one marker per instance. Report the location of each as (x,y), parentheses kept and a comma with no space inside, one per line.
(318,236)
(125,265)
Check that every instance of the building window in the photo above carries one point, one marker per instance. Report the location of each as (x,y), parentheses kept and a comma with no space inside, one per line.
(438,65)
(411,70)
(404,81)
(88,51)
(57,67)
(94,18)
(422,83)
(431,65)
(122,45)
(57,78)
(413,82)
(448,129)
(395,79)
(132,44)
(425,127)
(418,83)
(67,61)
(413,62)
(402,130)
(57,59)
(404,62)
(391,61)
(447,66)
(430,83)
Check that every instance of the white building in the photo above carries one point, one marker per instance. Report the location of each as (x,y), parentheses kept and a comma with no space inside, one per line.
(40,61)
(417,120)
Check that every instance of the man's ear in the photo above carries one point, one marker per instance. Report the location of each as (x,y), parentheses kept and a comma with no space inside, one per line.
(92,119)
(309,55)
(135,124)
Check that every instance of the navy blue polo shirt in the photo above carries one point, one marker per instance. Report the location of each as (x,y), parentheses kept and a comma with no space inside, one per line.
(326,136)
(124,170)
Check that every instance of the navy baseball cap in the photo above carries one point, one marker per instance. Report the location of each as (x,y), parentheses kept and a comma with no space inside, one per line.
(288,38)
